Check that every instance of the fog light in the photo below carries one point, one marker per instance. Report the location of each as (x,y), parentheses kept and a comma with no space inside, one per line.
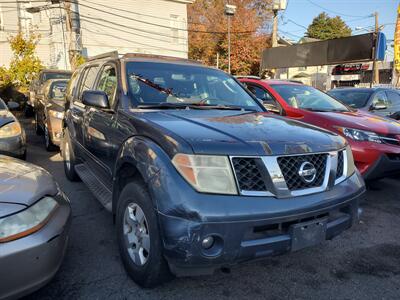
(207,242)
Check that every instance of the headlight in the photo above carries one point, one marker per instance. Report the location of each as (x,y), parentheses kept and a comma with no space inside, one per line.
(10,130)
(360,135)
(206,173)
(27,221)
(56,114)
(351,167)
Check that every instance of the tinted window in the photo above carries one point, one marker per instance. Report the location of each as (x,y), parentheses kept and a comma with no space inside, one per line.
(58,90)
(353,98)
(380,99)
(88,79)
(108,83)
(308,98)
(47,76)
(393,98)
(72,84)
(154,83)
(259,92)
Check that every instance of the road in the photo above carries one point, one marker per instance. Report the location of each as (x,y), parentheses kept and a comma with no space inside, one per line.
(362,263)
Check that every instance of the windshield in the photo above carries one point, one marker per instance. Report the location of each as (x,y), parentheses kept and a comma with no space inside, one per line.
(2,105)
(353,98)
(308,98)
(167,83)
(58,90)
(47,76)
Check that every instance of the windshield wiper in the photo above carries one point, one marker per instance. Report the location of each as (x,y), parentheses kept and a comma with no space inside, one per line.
(169,105)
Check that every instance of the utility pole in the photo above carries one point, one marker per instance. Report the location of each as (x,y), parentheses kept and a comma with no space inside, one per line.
(63,36)
(375,69)
(274,36)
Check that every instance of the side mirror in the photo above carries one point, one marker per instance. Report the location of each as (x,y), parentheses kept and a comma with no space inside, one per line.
(97,99)
(379,106)
(12,105)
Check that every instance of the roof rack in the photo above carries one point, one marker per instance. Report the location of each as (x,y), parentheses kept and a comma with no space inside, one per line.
(112,54)
(163,57)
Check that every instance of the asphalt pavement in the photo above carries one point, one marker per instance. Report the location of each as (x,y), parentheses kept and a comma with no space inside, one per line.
(362,263)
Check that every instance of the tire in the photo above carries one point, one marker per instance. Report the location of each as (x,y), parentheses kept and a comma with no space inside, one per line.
(154,270)
(38,129)
(50,147)
(69,158)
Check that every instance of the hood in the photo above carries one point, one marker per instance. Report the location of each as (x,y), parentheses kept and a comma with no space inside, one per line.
(22,184)
(237,133)
(6,117)
(361,120)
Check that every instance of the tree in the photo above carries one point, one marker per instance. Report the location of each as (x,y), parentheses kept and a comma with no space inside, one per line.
(324,27)
(25,65)
(208,33)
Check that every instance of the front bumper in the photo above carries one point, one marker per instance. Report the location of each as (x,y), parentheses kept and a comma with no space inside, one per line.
(376,161)
(29,263)
(265,228)
(13,146)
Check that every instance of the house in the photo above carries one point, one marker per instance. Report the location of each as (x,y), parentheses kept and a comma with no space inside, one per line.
(91,27)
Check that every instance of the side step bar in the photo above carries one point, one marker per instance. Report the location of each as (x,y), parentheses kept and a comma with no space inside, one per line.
(98,189)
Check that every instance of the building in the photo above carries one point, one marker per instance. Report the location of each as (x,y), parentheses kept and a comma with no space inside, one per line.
(91,27)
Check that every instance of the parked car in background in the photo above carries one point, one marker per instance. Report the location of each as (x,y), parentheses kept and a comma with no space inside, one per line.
(381,101)
(37,85)
(375,141)
(197,175)
(12,135)
(34,219)
(49,112)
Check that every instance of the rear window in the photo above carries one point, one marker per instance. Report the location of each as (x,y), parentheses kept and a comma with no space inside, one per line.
(47,76)
(58,90)
(353,98)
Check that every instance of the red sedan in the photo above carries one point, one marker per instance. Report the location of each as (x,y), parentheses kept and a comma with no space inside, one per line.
(375,140)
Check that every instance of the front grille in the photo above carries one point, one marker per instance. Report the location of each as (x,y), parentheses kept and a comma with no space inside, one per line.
(248,173)
(391,140)
(340,165)
(290,166)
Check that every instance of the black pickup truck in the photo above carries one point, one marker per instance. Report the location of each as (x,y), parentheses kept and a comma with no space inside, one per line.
(197,174)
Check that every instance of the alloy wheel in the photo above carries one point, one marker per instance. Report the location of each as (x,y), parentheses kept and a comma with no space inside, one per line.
(136,234)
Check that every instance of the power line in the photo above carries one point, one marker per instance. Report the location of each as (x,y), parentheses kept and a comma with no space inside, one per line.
(155,24)
(334,12)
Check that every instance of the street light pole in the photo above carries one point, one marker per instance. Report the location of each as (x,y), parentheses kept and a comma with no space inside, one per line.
(229,12)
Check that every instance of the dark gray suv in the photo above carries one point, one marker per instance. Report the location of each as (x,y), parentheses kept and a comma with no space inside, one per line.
(197,174)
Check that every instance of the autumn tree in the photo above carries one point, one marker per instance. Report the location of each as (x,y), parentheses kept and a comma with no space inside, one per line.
(25,65)
(324,27)
(250,33)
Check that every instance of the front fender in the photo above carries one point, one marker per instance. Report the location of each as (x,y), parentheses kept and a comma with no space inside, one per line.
(145,157)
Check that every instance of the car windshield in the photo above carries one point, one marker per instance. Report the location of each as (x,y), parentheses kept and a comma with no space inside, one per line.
(48,76)
(353,98)
(3,106)
(308,98)
(58,90)
(173,84)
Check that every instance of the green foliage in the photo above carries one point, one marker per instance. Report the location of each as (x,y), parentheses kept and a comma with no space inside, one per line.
(25,65)
(324,27)
(77,60)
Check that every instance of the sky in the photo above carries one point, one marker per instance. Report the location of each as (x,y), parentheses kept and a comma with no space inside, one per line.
(356,13)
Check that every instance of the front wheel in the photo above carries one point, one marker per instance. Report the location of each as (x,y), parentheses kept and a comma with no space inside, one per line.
(69,158)
(38,129)
(139,238)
